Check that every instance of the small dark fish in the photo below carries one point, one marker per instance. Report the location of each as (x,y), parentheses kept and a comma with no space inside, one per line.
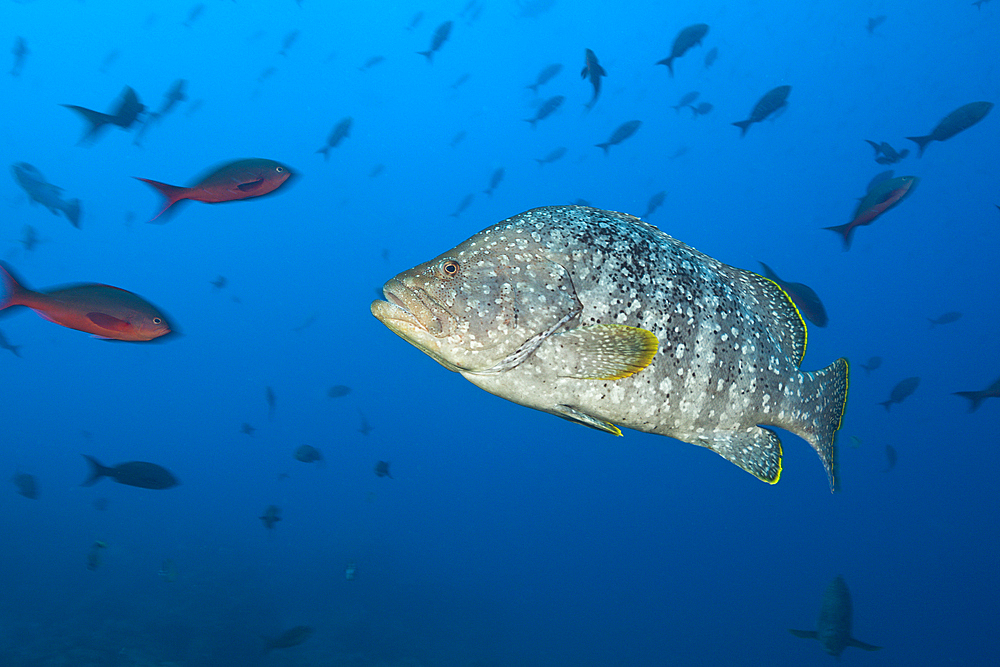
(979,4)
(125,113)
(874,22)
(546,109)
(308,454)
(20,52)
(686,100)
(654,203)
(415,21)
(882,197)
(681,151)
(873,363)
(371,62)
(624,131)
(110,59)
(365,427)
(382,469)
(947,318)
(266,73)
(174,95)
(440,37)
(27,485)
(94,555)
(889,155)
(102,310)
(890,457)
(376,170)
(686,38)
(460,80)
(457,139)
(339,132)
(233,181)
(5,345)
(710,57)
(272,401)
(134,473)
(529,9)
(338,391)
(495,180)
(29,238)
(193,15)
(773,100)
(41,191)
(555,154)
(803,296)
(546,75)
(271,516)
(462,205)
(960,119)
(977,397)
(219,282)
(833,629)
(289,638)
(287,43)
(246,429)
(592,70)
(99,504)
(702,109)
(902,389)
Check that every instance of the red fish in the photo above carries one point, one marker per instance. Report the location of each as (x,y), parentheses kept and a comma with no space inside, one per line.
(242,179)
(102,310)
(880,198)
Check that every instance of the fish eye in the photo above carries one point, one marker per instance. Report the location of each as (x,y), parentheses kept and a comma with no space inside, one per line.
(157,320)
(450,268)
(279,169)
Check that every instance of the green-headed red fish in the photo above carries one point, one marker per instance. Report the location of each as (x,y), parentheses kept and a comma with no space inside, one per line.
(242,179)
(881,196)
(102,310)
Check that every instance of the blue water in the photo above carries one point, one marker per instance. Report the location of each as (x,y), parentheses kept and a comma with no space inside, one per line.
(506,536)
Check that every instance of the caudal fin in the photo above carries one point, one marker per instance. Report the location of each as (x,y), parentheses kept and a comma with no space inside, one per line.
(173,193)
(72,210)
(14,291)
(427,54)
(922,143)
(975,398)
(97,471)
(604,146)
(846,231)
(96,119)
(823,397)
(669,62)
(743,125)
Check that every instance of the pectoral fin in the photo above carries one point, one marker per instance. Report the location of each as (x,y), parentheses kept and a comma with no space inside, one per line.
(758,451)
(574,415)
(867,647)
(108,322)
(250,186)
(804,634)
(604,351)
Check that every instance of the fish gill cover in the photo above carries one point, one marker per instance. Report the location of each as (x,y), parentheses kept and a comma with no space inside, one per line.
(504,536)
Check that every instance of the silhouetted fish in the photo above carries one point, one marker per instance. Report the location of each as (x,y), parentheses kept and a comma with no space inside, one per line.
(338,391)
(976,398)
(547,74)
(654,203)
(440,37)
(20,52)
(382,469)
(686,100)
(872,364)
(308,454)
(623,132)
(288,41)
(193,15)
(686,38)
(27,485)
(890,457)
(882,197)
(702,109)
(833,629)
(271,516)
(495,180)
(41,191)
(134,473)
(711,56)
(946,318)
(6,345)
(272,401)
(774,99)
(546,109)
(124,115)
(803,296)
(371,62)
(554,154)
(960,119)
(339,132)
(902,389)
(875,22)
(289,638)
(462,205)
(592,70)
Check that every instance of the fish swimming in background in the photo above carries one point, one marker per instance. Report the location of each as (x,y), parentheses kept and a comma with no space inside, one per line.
(976,398)
(654,203)
(338,391)
(440,37)
(339,132)
(20,52)
(271,516)
(592,70)
(365,427)
(554,154)
(833,629)
(686,38)
(382,469)
(6,345)
(703,109)
(27,485)
(42,192)
(623,132)
(773,100)
(546,109)
(495,180)
(548,73)
(462,205)
(247,429)
(902,389)
(874,22)
(890,457)
(94,555)
(711,56)
(371,62)
(686,100)
(415,20)
(288,638)
(272,401)
(803,296)
(101,310)
(233,181)
(193,14)
(882,196)
(125,113)
(288,41)
(168,571)
(134,473)
(947,318)
(308,454)
(958,120)
(889,155)
(29,238)
(174,95)
(458,138)
(872,364)
(602,319)
(219,282)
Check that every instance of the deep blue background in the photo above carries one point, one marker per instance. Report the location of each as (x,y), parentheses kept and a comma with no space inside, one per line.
(508,536)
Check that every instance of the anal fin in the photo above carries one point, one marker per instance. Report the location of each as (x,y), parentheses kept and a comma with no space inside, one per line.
(757,450)
(574,415)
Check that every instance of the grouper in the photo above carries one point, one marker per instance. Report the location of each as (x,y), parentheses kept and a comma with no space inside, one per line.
(604,320)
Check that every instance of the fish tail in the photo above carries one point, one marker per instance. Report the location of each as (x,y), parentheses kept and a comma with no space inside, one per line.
(427,54)
(325,151)
(676,107)
(173,193)
(922,143)
(96,119)
(669,62)
(532,121)
(97,471)
(823,397)
(16,292)
(975,398)
(72,210)
(846,231)
(533,86)
(604,146)
(743,125)
(886,404)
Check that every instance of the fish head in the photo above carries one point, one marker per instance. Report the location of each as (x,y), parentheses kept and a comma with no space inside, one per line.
(485,305)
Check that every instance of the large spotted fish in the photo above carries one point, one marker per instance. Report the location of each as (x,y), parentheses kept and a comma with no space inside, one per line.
(602,319)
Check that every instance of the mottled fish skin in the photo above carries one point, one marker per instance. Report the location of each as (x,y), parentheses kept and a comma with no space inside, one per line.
(538,309)
(833,629)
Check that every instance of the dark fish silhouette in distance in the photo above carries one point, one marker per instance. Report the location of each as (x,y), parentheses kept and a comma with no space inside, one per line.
(946,318)
(902,389)
(308,454)
(233,181)
(134,473)
(875,22)
(338,391)
(125,113)
(890,457)
(976,398)
(288,638)
(339,132)
(6,345)
(703,108)
(546,109)
(365,427)
(803,296)
(271,516)
(833,629)
(686,38)
(415,21)
(886,154)
(42,192)
(872,364)
(462,205)
(288,41)
(546,75)
(884,195)
(555,154)
(623,132)
(495,180)
(686,100)
(193,15)
(371,62)
(174,95)
(592,70)
(272,401)
(382,469)
(711,56)
(20,52)
(654,203)
(440,37)
(773,100)
(960,119)
(27,485)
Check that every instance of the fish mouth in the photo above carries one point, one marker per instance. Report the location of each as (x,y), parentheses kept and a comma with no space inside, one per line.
(408,311)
